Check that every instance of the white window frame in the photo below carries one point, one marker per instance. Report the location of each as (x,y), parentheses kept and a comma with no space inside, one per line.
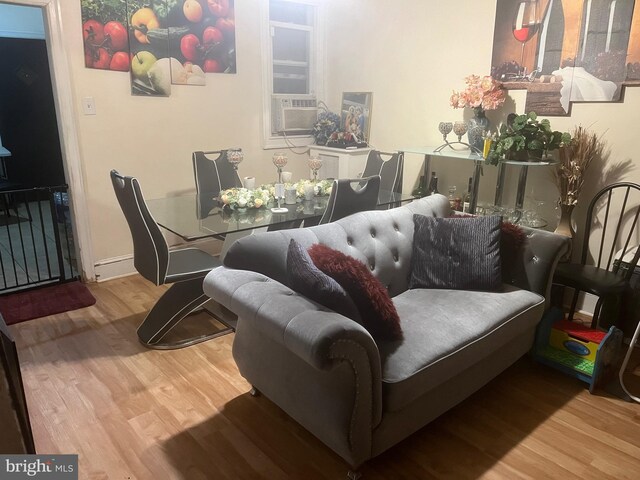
(316,71)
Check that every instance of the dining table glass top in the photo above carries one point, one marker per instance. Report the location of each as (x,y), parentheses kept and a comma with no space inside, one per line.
(193,217)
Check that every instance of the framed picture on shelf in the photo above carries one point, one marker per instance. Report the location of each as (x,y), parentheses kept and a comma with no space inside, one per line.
(356,114)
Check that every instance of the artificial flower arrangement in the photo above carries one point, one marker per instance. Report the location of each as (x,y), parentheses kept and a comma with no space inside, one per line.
(481,93)
(240,198)
(327,123)
(323,188)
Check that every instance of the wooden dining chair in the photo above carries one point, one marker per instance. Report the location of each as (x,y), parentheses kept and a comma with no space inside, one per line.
(185,269)
(345,200)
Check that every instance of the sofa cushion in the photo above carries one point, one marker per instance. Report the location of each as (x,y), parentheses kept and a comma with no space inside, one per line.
(512,238)
(377,311)
(305,278)
(446,332)
(456,253)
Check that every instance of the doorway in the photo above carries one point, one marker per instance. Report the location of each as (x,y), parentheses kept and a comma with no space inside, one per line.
(36,234)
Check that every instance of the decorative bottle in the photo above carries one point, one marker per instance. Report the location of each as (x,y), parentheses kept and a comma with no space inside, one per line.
(433,184)
(421,190)
(466,199)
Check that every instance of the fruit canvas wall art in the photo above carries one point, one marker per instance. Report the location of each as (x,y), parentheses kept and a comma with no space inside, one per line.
(160,42)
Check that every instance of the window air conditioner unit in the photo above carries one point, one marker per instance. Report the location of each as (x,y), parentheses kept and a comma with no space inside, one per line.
(294,114)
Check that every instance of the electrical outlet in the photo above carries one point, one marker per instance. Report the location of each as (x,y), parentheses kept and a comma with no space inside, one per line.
(89,106)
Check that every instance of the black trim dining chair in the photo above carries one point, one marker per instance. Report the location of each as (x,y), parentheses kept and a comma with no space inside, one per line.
(345,200)
(212,175)
(390,169)
(611,227)
(185,269)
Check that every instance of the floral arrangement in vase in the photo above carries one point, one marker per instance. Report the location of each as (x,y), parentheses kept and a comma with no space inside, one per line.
(242,198)
(323,188)
(327,123)
(481,94)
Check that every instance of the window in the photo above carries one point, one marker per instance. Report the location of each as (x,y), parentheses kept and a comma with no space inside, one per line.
(292,70)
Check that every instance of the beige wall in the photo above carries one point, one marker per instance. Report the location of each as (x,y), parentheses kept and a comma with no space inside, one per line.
(152,138)
(410,54)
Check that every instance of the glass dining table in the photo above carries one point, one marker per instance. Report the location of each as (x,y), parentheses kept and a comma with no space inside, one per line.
(193,217)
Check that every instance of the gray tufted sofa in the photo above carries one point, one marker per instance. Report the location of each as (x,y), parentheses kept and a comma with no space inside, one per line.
(361,397)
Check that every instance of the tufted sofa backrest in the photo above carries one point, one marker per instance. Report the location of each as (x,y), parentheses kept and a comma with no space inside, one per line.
(382,239)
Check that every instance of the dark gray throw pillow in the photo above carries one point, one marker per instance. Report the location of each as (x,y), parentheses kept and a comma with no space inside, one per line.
(456,253)
(305,278)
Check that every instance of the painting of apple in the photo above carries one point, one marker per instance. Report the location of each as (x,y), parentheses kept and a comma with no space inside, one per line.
(141,63)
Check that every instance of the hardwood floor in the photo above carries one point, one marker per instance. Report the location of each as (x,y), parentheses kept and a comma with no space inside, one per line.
(133,413)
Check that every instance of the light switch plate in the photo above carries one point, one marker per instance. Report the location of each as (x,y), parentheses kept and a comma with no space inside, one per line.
(89,106)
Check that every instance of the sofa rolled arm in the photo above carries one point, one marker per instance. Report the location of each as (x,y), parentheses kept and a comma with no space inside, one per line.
(304,327)
(536,262)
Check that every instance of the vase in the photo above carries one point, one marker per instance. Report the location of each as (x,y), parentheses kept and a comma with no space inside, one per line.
(564,225)
(477,127)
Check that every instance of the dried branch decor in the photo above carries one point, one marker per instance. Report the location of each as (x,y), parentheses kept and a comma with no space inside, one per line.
(575,159)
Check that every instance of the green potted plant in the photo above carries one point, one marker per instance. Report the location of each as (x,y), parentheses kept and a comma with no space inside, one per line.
(525,138)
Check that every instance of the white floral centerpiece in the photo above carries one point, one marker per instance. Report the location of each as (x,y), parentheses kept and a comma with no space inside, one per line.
(241,198)
(323,188)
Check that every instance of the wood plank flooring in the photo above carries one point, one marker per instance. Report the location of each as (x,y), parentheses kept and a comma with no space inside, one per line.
(134,413)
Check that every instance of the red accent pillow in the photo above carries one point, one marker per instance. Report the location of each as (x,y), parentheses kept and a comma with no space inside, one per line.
(377,312)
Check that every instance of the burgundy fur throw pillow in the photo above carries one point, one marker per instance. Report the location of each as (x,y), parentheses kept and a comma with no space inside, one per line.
(377,312)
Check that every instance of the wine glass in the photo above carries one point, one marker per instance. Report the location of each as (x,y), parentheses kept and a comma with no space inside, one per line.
(445,129)
(525,26)
(234,157)
(460,128)
(280,161)
(315,163)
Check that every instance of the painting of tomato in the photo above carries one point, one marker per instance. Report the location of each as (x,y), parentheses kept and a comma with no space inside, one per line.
(104,34)
(202,33)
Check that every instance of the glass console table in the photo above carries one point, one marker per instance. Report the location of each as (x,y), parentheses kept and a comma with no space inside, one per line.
(430,152)
(522,179)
